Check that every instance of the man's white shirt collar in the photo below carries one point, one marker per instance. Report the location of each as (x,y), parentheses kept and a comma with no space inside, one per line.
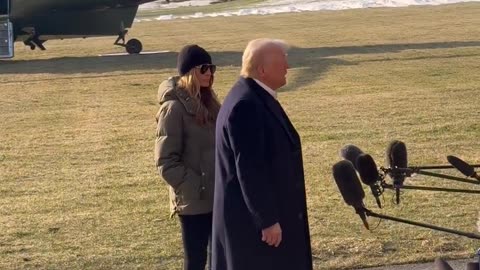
(268,89)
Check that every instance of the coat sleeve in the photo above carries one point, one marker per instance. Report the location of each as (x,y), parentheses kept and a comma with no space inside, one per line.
(247,137)
(169,146)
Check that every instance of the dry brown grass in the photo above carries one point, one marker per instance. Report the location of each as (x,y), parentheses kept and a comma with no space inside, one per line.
(78,186)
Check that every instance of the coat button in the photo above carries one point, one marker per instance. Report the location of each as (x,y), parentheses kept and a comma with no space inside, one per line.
(300,216)
(203,174)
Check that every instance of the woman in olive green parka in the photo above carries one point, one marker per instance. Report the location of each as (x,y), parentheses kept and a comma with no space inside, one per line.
(185,149)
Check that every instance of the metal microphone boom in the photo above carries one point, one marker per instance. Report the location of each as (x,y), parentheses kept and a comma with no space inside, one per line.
(411,170)
(433,227)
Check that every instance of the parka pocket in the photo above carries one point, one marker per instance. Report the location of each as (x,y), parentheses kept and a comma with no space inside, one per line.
(189,190)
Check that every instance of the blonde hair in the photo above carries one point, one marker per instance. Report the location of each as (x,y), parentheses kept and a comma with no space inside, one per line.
(254,53)
(205,97)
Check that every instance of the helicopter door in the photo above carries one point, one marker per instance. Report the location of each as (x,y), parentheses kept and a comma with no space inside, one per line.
(6,31)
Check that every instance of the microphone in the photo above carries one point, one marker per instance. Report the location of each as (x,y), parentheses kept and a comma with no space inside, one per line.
(349,185)
(353,195)
(465,168)
(369,175)
(397,158)
(351,152)
(441,264)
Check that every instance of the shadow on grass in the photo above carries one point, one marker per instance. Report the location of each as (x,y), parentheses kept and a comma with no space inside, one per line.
(89,64)
(312,61)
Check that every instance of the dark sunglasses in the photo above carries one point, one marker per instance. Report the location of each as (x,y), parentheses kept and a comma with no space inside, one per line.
(203,68)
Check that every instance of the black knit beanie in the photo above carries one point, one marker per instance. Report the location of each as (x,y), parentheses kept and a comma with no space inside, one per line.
(191,56)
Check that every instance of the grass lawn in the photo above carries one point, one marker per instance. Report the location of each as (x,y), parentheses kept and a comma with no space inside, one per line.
(78,186)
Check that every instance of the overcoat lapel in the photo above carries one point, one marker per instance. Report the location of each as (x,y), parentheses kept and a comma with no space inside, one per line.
(274,107)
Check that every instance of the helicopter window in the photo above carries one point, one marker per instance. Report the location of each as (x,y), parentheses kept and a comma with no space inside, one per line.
(4,7)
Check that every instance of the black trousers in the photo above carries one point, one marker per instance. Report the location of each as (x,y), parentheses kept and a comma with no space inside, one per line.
(196,236)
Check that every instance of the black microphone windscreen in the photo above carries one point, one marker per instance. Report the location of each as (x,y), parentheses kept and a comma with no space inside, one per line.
(397,154)
(442,265)
(367,169)
(351,152)
(348,183)
(461,165)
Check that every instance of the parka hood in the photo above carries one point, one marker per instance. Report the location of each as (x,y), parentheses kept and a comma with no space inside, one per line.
(168,90)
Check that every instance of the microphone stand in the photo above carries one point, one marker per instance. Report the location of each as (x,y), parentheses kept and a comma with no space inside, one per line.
(411,170)
(433,227)
(439,175)
(434,167)
(407,172)
(392,187)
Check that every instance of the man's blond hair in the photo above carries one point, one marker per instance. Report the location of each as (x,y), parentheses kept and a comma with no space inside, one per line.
(254,53)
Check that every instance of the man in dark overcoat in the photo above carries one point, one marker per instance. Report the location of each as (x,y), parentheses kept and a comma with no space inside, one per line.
(260,213)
